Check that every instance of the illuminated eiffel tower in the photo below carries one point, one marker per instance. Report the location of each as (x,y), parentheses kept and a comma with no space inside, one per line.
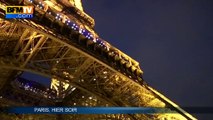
(59,43)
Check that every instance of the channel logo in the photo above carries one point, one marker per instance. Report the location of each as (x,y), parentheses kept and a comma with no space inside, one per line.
(19,12)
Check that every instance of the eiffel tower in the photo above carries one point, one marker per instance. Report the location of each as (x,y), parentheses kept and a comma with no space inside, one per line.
(59,43)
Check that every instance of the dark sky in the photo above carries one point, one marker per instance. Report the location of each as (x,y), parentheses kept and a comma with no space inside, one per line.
(172,40)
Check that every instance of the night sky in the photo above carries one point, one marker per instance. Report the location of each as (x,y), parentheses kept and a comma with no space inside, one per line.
(172,40)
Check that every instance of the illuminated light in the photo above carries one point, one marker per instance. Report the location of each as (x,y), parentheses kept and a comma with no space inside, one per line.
(49,12)
(74,103)
(26,87)
(80,30)
(73,89)
(94,40)
(57,61)
(94,79)
(82,97)
(90,98)
(117,78)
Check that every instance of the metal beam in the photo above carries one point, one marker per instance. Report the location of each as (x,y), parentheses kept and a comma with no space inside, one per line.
(25,33)
(34,50)
(27,46)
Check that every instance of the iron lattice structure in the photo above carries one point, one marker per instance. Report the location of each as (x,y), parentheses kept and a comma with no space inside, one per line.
(59,43)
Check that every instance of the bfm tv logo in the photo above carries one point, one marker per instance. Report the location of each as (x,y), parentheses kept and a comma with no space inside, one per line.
(19,11)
